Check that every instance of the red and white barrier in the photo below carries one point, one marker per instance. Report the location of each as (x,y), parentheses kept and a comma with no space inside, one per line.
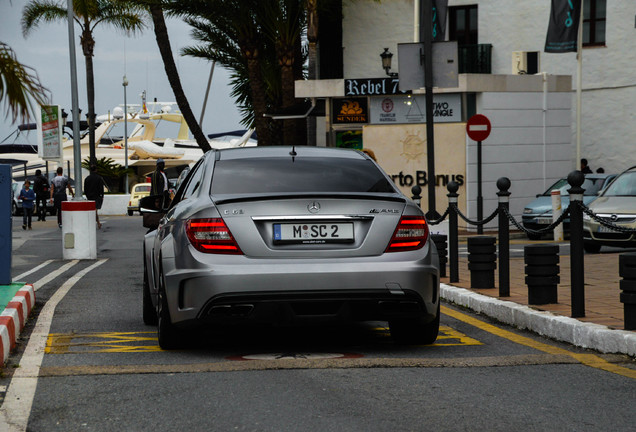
(79,230)
(13,319)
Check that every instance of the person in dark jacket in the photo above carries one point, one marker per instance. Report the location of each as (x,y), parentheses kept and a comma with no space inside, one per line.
(28,199)
(94,190)
(158,179)
(41,189)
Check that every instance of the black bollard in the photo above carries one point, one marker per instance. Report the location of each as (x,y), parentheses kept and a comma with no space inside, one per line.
(503,184)
(417,198)
(627,270)
(453,234)
(542,273)
(577,276)
(482,261)
(440,244)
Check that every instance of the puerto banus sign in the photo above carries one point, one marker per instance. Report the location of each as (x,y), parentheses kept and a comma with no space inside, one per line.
(401,109)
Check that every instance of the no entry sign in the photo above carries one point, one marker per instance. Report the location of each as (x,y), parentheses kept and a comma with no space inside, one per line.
(478,127)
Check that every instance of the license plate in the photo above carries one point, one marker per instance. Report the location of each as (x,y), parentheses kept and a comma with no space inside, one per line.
(544,221)
(314,233)
(604,229)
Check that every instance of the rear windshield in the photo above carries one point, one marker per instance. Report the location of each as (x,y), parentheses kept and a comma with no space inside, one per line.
(142,188)
(623,185)
(281,175)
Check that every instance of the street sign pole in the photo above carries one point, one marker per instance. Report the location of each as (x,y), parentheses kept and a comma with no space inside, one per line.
(478,128)
(480,197)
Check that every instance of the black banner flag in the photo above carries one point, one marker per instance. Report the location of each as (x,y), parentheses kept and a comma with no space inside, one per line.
(563,28)
(440,8)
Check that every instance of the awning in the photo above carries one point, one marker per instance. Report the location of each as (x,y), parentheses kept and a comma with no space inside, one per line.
(300,110)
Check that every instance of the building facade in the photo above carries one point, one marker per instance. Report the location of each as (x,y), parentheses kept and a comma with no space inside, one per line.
(529,96)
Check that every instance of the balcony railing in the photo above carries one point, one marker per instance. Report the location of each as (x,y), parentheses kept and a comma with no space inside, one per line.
(475,58)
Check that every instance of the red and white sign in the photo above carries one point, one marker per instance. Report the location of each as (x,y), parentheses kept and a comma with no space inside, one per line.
(478,127)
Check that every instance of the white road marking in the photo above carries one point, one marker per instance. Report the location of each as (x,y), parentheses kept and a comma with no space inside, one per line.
(33,270)
(16,409)
(48,278)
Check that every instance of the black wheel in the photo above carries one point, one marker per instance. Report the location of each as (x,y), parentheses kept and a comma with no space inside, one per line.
(533,236)
(414,331)
(592,247)
(168,334)
(149,311)
(130,212)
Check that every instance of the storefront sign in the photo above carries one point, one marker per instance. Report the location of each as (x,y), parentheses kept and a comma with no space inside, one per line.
(400,109)
(372,86)
(350,110)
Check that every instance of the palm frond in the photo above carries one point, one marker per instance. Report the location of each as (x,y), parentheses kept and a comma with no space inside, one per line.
(18,84)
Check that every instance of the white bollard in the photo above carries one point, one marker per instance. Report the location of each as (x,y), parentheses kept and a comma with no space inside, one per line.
(79,230)
(556,214)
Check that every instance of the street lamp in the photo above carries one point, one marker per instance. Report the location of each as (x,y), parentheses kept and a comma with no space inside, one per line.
(125,84)
(386,62)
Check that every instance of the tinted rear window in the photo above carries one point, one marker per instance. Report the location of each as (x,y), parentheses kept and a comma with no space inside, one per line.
(276,175)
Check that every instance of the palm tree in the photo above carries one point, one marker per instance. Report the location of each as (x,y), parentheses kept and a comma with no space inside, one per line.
(17,83)
(87,14)
(260,40)
(163,43)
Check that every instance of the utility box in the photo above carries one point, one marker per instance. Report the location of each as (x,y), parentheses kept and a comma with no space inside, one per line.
(79,230)
(5,225)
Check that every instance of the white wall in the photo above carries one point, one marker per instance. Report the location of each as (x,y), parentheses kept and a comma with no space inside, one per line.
(520,147)
(370,26)
(609,78)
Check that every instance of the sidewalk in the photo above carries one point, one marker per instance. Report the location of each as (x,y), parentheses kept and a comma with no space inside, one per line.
(602,328)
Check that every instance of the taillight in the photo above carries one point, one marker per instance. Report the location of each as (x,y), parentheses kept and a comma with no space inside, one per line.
(211,236)
(410,234)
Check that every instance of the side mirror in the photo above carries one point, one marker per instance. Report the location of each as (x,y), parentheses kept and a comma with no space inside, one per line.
(151,204)
(151,208)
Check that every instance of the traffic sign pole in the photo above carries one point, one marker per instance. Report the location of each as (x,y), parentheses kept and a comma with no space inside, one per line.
(478,128)
(480,198)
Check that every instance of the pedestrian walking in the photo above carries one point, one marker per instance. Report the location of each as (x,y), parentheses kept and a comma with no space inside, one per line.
(41,189)
(94,190)
(59,185)
(28,200)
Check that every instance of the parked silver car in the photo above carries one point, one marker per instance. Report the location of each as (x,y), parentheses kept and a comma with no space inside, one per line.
(616,204)
(538,214)
(284,235)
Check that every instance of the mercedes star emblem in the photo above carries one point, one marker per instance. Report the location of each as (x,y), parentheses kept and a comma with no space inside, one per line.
(314,207)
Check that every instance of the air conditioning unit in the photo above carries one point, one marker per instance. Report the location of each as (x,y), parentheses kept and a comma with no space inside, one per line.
(525,62)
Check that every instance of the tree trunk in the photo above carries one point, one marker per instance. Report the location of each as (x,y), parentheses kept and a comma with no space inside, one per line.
(287,89)
(163,42)
(312,70)
(259,101)
(88,45)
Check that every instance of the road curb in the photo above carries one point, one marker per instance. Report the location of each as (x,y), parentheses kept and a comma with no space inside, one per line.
(566,329)
(13,319)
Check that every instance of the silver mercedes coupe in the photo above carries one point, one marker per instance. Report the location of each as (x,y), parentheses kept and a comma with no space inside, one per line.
(285,235)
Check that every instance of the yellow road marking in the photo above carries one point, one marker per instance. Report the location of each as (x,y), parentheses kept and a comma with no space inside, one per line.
(446,334)
(110,342)
(591,360)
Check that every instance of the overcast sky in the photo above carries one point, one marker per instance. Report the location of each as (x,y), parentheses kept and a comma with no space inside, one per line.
(46,49)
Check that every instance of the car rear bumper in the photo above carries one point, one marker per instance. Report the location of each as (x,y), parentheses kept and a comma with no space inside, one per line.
(354,289)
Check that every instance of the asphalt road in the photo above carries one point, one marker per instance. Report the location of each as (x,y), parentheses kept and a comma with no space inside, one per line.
(87,362)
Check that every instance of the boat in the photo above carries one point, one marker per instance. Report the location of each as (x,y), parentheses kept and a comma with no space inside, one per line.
(157,130)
